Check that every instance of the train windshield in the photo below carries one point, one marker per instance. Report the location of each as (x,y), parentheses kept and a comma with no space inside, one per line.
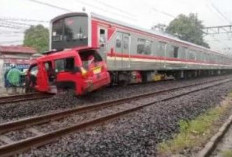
(70,32)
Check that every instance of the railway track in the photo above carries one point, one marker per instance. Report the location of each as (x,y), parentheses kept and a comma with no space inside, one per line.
(46,128)
(22,97)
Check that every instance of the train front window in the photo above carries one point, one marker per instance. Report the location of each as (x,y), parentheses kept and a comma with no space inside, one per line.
(75,28)
(70,32)
(57,34)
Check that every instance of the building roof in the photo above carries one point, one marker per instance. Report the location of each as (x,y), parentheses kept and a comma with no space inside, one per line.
(17,49)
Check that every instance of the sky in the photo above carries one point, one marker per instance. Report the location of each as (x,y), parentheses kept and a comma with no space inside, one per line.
(142,13)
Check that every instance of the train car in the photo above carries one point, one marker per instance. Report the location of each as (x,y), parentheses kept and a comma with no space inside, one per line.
(131,54)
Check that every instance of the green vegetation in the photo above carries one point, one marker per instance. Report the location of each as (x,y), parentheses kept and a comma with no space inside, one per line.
(193,133)
(37,37)
(227,153)
(188,28)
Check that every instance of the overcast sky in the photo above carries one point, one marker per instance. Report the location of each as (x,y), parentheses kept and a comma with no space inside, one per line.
(143,13)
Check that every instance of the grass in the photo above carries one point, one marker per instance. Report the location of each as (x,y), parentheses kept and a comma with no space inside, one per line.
(227,153)
(195,132)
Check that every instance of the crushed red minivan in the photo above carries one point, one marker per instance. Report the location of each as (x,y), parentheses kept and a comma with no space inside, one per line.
(81,69)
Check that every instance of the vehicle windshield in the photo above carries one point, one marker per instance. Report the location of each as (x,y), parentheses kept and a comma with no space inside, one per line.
(88,57)
(69,32)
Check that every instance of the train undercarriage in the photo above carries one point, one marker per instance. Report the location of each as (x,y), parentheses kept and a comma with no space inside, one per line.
(131,77)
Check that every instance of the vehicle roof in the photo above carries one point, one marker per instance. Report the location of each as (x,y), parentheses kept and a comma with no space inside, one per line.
(68,15)
(64,53)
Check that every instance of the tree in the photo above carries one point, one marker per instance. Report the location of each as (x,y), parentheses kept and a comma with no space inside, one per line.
(187,28)
(37,37)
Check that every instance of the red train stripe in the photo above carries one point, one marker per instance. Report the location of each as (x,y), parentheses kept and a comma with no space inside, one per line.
(138,56)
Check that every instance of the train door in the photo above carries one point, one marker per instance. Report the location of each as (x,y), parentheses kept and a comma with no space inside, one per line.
(122,47)
(42,78)
(118,50)
(125,50)
(102,41)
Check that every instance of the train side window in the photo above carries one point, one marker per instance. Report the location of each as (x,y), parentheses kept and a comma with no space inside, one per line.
(147,48)
(182,52)
(118,42)
(57,30)
(204,57)
(185,52)
(125,42)
(140,45)
(102,37)
(198,55)
(170,51)
(161,48)
(194,55)
(175,55)
(154,48)
(191,55)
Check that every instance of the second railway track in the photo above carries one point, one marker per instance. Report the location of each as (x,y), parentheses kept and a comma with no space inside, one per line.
(40,130)
(22,97)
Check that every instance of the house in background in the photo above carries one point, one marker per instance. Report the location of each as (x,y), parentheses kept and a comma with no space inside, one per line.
(18,55)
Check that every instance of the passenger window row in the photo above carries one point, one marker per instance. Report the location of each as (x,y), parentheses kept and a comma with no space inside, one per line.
(137,45)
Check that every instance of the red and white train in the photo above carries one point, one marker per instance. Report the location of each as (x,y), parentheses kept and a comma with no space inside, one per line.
(90,51)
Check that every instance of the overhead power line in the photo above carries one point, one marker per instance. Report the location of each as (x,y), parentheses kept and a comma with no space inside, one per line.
(219,12)
(113,7)
(10,32)
(116,13)
(50,5)
(8,42)
(69,10)
(15,23)
(12,35)
(226,29)
(163,12)
(22,19)
(10,26)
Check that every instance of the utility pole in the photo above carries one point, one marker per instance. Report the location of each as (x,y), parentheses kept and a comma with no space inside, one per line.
(225,29)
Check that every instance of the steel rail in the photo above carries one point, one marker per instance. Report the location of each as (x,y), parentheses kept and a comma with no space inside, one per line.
(26,122)
(19,146)
(22,97)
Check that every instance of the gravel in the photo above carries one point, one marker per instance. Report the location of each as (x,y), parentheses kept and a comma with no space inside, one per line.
(19,135)
(67,100)
(82,117)
(138,133)
(2,143)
